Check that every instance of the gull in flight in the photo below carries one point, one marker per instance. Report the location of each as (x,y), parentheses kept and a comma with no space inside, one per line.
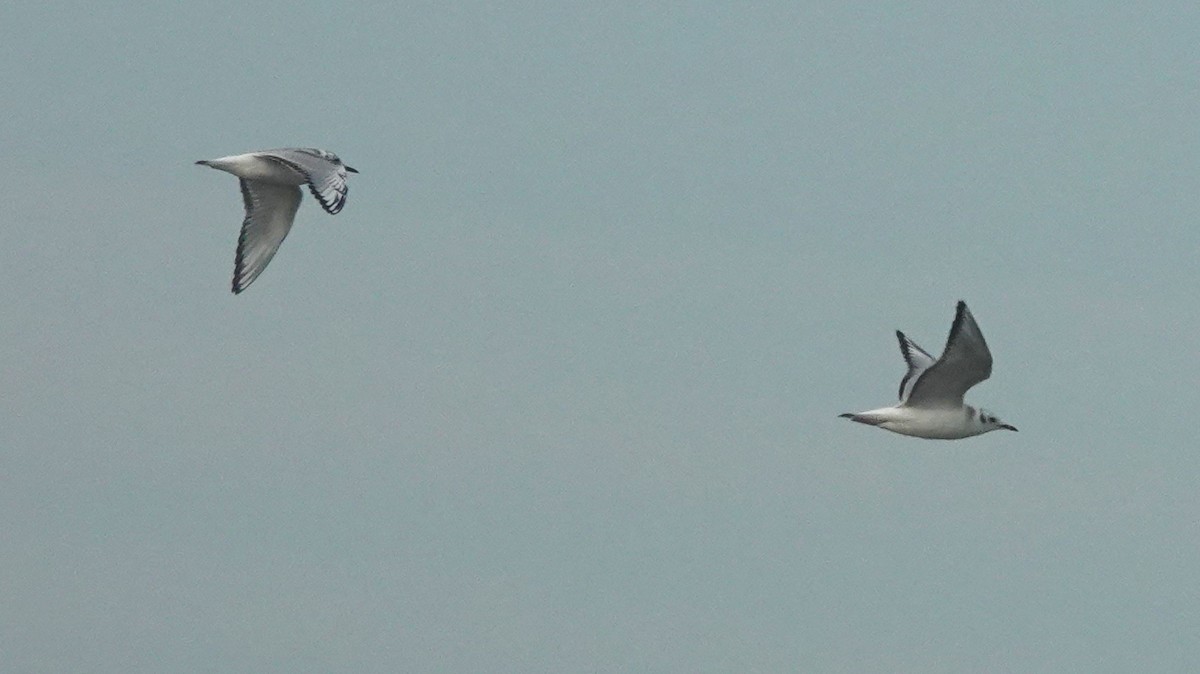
(271,182)
(931,393)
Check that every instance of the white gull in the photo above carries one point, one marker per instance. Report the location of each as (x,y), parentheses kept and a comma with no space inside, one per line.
(271,181)
(931,393)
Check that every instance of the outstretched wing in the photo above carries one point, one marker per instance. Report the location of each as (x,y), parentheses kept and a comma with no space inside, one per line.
(270,211)
(965,362)
(918,361)
(325,173)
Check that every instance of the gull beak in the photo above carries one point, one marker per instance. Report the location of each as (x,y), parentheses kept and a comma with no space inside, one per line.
(351,170)
(1007,427)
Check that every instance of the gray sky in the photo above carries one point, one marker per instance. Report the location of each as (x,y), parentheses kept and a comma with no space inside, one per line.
(557,391)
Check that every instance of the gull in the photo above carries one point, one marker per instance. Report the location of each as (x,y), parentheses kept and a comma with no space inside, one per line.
(931,392)
(271,181)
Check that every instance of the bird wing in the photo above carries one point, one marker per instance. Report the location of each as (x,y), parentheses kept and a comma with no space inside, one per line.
(965,362)
(918,361)
(325,173)
(270,211)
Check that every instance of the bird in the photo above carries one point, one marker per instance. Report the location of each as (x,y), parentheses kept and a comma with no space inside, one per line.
(270,181)
(931,392)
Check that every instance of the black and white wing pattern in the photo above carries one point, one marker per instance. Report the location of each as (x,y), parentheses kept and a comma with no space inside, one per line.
(965,362)
(918,361)
(324,171)
(270,210)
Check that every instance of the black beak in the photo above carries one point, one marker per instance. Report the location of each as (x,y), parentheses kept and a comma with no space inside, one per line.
(1007,427)
(351,170)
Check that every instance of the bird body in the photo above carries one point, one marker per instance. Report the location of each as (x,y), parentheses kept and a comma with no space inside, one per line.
(931,392)
(270,182)
(934,424)
(257,167)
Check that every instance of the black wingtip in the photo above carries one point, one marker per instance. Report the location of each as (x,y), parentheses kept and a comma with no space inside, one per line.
(332,208)
(351,170)
(904,349)
(960,313)
(847,415)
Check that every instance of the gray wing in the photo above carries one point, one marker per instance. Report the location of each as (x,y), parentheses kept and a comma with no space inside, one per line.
(325,173)
(918,361)
(270,211)
(965,362)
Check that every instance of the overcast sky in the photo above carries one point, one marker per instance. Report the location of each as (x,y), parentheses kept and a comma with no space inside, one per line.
(557,391)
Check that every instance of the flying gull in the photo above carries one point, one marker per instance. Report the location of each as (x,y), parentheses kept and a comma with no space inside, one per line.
(271,182)
(931,393)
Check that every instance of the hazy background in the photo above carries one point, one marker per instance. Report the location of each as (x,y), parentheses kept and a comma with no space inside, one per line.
(557,391)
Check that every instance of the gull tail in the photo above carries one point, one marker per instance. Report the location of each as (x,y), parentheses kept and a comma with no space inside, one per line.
(867,419)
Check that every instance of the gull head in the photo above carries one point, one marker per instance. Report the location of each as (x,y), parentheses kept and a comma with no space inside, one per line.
(326,154)
(336,160)
(990,422)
